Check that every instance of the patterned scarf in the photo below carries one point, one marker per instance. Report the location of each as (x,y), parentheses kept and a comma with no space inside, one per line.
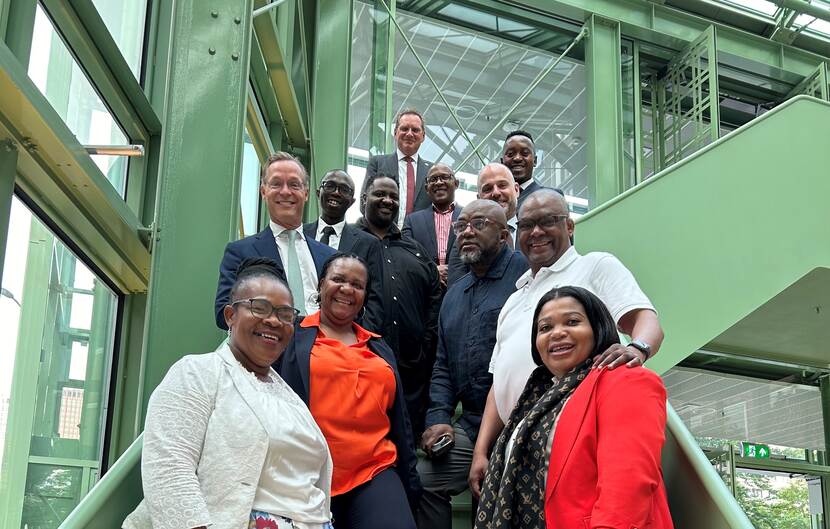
(514,490)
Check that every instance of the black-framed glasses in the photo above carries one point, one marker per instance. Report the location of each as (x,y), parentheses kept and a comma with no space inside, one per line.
(548,221)
(262,308)
(439,178)
(477,224)
(331,187)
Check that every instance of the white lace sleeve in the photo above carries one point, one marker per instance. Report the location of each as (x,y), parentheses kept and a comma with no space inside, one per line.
(177,418)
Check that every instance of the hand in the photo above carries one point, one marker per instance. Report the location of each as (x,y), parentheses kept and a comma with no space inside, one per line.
(477,469)
(442,274)
(619,354)
(433,433)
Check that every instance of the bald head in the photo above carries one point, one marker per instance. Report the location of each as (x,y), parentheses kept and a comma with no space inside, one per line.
(544,228)
(487,209)
(440,185)
(496,183)
(550,199)
(484,234)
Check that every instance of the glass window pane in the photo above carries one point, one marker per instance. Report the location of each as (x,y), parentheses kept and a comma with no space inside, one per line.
(55,72)
(778,500)
(735,408)
(55,372)
(125,20)
(249,186)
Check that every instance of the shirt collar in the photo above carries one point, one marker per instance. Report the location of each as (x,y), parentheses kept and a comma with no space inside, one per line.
(497,267)
(526,183)
(393,233)
(277,230)
(562,263)
(449,210)
(512,222)
(401,156)
(338,228)
(362,335)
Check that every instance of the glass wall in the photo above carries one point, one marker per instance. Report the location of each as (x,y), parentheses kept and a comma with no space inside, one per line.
(482,66)
(249,188)
(55,72)
(59,322)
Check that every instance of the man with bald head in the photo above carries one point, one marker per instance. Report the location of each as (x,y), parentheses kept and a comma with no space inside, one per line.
(432,226)
(544,228)
(466,335)
(496,183)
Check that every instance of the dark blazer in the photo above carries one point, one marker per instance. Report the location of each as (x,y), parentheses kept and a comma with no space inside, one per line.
(387,164)
(366,246)
(420,225)
(260,245)
(531,188)
(294,366)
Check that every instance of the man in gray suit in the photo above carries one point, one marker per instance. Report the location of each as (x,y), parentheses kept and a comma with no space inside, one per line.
(405,165)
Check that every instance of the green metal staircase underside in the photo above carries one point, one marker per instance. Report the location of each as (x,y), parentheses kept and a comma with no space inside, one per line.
(712,240)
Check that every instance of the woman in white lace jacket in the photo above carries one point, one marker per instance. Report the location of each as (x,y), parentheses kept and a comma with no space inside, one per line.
(227,443)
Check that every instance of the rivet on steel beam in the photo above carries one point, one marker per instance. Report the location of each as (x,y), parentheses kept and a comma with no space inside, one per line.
(235,56)
(214,14)
(212,51)
(8,145)
(237,20)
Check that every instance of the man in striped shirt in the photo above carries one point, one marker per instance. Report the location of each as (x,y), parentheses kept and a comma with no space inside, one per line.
(432,227)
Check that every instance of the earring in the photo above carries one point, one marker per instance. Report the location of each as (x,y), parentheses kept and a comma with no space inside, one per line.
(229,332)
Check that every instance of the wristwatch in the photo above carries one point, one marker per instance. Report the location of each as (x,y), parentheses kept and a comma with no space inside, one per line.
(641,346)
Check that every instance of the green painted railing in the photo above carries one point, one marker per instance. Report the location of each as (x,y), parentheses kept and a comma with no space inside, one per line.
(710,239)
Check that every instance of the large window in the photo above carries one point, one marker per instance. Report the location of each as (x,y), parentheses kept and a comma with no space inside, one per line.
(58,322)
(482,67)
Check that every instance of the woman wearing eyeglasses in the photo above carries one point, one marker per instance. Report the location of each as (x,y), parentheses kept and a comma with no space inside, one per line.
(349,379)
(227,443)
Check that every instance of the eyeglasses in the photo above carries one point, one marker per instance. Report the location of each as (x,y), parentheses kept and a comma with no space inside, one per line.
(477,224)
(439,178)
(262,308)
(331,187)
(548,221)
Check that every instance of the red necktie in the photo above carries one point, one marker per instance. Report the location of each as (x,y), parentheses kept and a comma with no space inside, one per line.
(410,184)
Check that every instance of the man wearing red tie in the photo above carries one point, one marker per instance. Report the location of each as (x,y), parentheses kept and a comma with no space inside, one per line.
(409,167)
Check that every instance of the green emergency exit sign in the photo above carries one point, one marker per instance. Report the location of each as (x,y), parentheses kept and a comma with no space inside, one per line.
(755,451)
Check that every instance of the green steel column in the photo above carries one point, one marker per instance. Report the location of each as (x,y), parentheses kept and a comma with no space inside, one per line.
(824,387)
(198,191)
(8,169)
(330,93)
(605,128)
(383,59)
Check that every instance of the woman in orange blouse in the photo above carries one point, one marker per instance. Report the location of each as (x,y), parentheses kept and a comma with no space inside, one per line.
(349,379)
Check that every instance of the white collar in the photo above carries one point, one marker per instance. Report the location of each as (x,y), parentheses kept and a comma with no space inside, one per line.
(277,230)
(401,156)
(563,262)
(338,228)
(526,183)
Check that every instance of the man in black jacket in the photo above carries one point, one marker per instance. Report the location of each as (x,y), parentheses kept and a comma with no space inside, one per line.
(336,195)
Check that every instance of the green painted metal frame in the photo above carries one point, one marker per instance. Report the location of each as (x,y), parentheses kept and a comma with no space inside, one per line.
(382,104)
(814,84)
(8,170)
(330,94)
(210,54)
(603,72)
(56,172)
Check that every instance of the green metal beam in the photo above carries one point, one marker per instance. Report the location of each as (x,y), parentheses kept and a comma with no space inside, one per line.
(17,22)
(294,121)
(672,28)
(55,171)
(198,196)
(806,8)
(605,110)
(330,94)
(824,387)
(86,35)
(8,170)
(257,129)
(261,80)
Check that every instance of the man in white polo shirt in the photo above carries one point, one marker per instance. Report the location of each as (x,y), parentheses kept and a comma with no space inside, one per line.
(544,232)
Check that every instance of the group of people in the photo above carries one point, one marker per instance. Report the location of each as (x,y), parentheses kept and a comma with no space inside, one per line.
(477,334)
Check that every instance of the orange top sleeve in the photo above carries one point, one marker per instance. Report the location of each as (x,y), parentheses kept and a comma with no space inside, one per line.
(351,389)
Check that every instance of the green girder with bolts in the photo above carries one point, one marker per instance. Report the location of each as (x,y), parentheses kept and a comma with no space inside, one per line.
(284,75)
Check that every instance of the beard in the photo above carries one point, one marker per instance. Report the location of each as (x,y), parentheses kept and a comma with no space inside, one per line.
(471,257)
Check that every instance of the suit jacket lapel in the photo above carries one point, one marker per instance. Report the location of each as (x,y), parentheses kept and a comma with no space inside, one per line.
(451,238)
(303,342)
(420,178)
(310,229)
(567,429)
(429,221)
(346,237)
(266,246)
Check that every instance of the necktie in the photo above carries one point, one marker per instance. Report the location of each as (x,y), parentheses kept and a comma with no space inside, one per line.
(292,271)
(410,184)
(511,241)
(328,231)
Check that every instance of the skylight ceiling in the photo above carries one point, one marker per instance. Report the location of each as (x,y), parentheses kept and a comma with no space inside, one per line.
(758,6)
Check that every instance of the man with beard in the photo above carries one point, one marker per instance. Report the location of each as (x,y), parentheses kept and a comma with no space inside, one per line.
(432,227)
(336,195)
(411,295)
(466,336)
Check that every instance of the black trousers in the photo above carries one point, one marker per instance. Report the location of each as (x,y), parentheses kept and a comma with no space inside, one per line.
(379,504)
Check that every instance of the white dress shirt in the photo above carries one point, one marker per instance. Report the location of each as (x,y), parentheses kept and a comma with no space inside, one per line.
(334,238)
(402,182)
(511,222)
(308,270)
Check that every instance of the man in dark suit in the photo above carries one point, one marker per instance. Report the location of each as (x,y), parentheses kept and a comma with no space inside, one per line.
(336,195)
(432,227)
(283,185)
(519,155)
(405,165)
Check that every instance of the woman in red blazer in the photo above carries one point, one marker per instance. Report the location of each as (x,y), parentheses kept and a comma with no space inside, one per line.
(581,450)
